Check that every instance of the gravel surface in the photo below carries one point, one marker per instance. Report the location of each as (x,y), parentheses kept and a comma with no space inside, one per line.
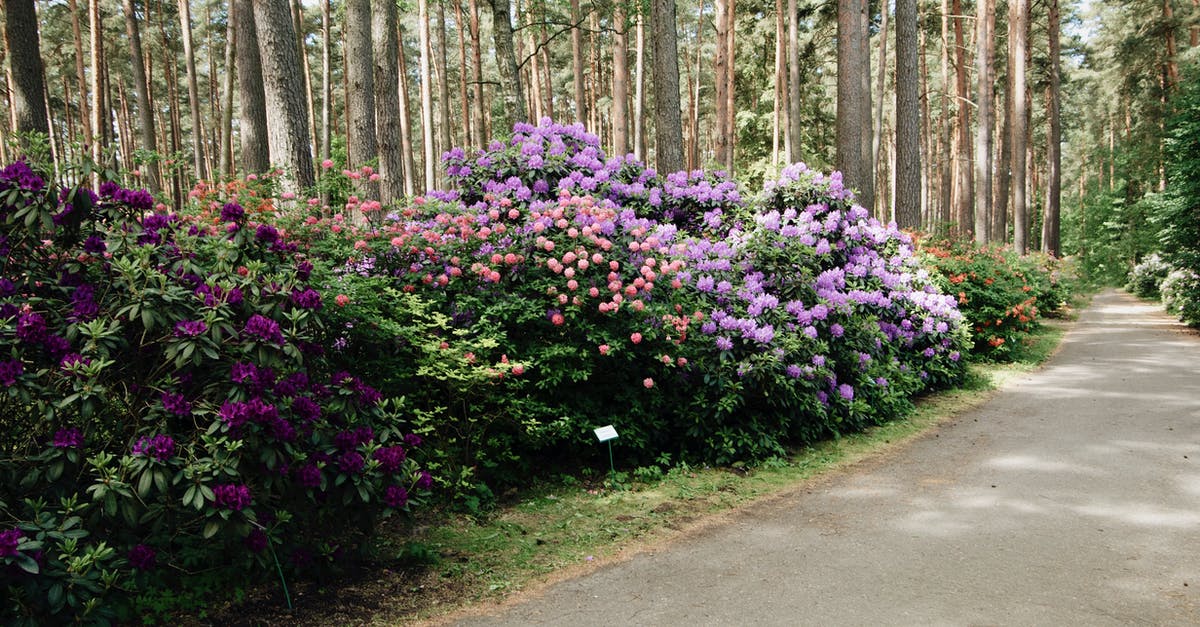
(1070,498)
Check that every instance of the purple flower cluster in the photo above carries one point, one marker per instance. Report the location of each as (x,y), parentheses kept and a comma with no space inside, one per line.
(20,176)
(68,438)
(84,304)
(307,299)
(232,496)
(395,497)
(390,458)
(10,539)
(263,329)
(190,328)
(10,370)
(214,295)
(175,403)
(232,212)
(160,447)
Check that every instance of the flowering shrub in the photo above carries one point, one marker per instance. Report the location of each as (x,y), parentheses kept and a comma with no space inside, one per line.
(581,291)
(1146,277)
(1181,295)
(1001,294)
(169,405)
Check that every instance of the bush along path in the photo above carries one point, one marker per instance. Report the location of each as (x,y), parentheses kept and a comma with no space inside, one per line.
(200,402)
(1069,498)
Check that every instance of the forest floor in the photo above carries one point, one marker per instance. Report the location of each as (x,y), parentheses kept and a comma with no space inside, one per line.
(1071,497)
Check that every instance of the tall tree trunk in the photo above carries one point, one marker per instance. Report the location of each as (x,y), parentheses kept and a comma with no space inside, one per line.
(581,113)
(1018,25)
(406,142)
(28,82)
(620,84)
(443,84)
(693,145)
(721,62)
(386,82)
(427,148)
(639,89)
(463,95)
(908,117)
(537,110)
(946,189)
(189,61)
(149,139)
(793,80)
(361,144)
(227,80)
(668,128)
(928,131)
(985,21)
(1172,66)
(310,108)
(853,134)
(252,116)
(479,120)
(326,80)
(780,86)
(100,125)
(506,59)
(729,122)
(867,193)
(287,120)
(1000,198)
(877,135)
(964,192)
(1050,230)
(81,75)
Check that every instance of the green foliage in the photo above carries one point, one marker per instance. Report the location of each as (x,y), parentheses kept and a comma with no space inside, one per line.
(1146,277)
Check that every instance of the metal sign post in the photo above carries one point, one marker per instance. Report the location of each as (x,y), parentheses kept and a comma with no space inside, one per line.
(608,434)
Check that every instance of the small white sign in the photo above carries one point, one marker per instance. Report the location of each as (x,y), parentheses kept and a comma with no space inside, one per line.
(605,434)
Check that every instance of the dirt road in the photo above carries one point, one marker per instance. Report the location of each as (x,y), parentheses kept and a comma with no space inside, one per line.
(1071,498)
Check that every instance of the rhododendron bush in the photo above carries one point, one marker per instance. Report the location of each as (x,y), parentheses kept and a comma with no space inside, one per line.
(168,406)
(701,325)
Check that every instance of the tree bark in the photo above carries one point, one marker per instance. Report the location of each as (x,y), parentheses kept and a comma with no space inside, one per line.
(477,76)
(721,61)
(877,127)
(506,59)
(779,107)
(730,122)
(287,120)
(1018,25)
(81,75)
(252,120)
(145,110)
(361,144)
(946,188)
(326,81)
(463,94)
(100,124)
(1172,65)
(189,60)
(853,135)
(620,84)
(1050,226)
(793,80)
(406,143)
(985,16)
(668,127)
(386,81)
(964,186)
(427,147)
(908,117)
(227,81)
(1000,212)
(581,114)
(443,84)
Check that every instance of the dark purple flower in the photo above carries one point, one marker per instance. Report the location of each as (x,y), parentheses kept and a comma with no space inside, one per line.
(190,328)
(94,245)
(68,438)
(304,270)
(256,541)
(232,212)
(292,385)
(263,328)
(309,476)
(10,370)
(7,288)
(161,447)
(390,458)
(306,409)
(31,328)
(266,234)
(71,362)
(412,440)
(232,496)
(243,372)
(19,174)
(846,391)
(142,557)
(395,497)
(351,462)
(233,414)
(176,404)
(424,480)
(10,539)
(308,299)
(282,430)
(56,346)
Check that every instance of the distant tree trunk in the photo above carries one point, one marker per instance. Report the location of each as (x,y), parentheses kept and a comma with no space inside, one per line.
(639,89)
(81,75)
(1018,28)
(145,109)
(189,60)
(877,126)
(386,81)
(999,228)
(310,108)
(964,186)
(853,133)
(406,143)
(722,145)
(29,79)
(946,187)
(729,121)
(866,195)
(1194,31)
(668,128)
(463,94)
(985,21)
(227,81)
(287,120)
(362,144)
(427,148)
(506,59)
(620,84)
(100,125)
(780,85)
(443,85)
(326,81)
(252,120)
(1050,226)
(693,145)
(793,81)
(581,113)
(1172,66)
(908,117)
(477,76)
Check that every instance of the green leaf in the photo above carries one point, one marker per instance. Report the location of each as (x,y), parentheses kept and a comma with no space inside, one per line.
(30,565)
(144,483)
(211,529)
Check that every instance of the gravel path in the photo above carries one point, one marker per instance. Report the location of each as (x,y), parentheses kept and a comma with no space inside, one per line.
(1071,498)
